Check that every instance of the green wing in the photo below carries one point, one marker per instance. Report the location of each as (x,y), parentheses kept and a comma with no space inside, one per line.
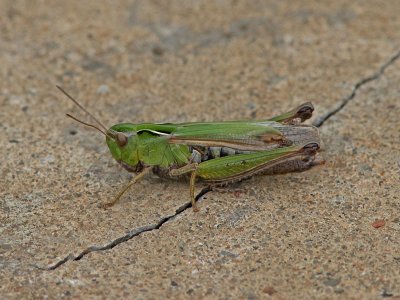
(245,135)
(241,135)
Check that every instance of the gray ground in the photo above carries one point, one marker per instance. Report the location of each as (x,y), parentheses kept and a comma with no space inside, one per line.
(306,235)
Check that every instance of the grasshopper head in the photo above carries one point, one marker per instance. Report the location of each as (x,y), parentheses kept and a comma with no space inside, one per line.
(121,138)
(122,141)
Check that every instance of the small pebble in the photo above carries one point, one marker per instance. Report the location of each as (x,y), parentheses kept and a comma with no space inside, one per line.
(103,89)
(378,223)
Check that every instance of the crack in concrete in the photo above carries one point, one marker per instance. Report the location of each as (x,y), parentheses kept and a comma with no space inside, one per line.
(339,106)
(131,234)
(138,231)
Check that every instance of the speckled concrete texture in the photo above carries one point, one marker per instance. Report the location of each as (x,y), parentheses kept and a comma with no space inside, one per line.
(332,232)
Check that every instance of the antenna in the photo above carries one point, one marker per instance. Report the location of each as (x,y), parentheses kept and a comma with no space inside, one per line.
(88,113)
(87,124)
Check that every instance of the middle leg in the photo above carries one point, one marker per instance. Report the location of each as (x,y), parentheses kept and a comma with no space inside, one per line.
(190,168)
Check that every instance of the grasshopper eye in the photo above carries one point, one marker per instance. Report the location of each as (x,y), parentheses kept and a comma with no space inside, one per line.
(121,139)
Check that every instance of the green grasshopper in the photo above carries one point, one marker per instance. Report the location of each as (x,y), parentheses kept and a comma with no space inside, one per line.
(218,153)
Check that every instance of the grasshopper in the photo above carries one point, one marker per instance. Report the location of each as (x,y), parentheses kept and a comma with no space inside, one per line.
(218,153)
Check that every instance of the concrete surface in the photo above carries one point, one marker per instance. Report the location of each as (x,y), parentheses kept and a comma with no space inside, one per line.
(333,232)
